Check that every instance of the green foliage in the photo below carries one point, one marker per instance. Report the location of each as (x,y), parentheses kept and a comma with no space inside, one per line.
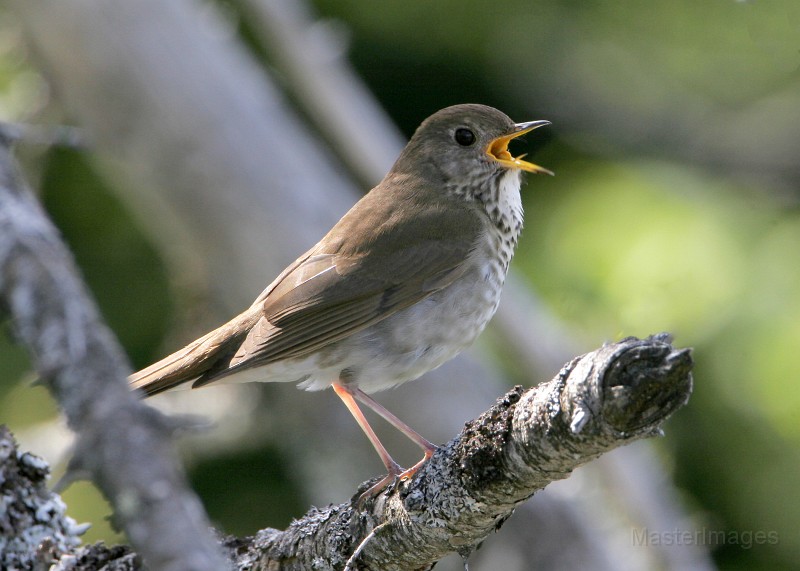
(248,491)
(664,213)
(628,249)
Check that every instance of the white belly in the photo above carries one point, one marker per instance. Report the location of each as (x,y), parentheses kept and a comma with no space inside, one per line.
(425,335)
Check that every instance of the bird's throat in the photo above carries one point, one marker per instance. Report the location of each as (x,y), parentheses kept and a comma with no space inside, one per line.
(504,204)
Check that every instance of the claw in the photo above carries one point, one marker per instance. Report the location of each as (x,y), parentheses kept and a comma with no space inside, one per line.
(392,478)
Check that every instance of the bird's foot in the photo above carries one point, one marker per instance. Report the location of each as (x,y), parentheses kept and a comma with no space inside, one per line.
(396,474)
(375,490)
(429,450)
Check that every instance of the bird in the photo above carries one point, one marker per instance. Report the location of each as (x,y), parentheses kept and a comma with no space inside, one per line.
(406,279)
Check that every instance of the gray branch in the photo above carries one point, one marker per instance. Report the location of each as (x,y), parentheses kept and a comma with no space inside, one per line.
(122,444)
(470,487)
(36,532)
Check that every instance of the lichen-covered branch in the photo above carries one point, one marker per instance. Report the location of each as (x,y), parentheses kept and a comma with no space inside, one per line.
(467,490)
(121,443)
(35,532)
(600,401)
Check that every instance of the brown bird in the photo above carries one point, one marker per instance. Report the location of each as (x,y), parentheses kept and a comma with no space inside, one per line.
(401,284)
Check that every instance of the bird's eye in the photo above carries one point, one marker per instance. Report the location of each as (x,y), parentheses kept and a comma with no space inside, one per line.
(464,137)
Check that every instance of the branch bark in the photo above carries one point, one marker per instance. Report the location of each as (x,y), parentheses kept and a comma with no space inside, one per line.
(471,486)
(599,401)
(121,443)
(35,531)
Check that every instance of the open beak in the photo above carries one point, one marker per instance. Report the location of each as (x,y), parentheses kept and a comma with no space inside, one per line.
(498,148)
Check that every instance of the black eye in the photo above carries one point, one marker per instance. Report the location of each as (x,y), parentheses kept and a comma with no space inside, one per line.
(464,137)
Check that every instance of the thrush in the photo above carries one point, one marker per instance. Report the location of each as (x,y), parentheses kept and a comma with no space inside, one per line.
(407,279)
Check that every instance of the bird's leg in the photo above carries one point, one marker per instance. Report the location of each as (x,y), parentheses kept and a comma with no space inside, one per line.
(427,447)
(346,394)
(349,396)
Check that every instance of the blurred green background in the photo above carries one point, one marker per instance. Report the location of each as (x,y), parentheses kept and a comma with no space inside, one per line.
(676,147)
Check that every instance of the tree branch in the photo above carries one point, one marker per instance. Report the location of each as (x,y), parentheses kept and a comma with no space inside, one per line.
(470,487)
(123,444)
(598,402)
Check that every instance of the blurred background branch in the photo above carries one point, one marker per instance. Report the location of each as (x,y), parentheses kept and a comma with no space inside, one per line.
(228,136)
(121,444)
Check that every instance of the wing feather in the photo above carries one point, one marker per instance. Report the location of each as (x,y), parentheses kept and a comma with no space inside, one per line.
(333,294)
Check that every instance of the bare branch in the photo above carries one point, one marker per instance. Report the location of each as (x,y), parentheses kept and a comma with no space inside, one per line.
(311,55)
(470,487)
(122,443)
(36,532)
(598,402)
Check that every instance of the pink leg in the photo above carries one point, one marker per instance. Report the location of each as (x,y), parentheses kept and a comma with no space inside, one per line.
(348,396)
(427,447)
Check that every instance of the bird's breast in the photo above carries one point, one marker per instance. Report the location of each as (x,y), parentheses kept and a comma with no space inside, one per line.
(429,333)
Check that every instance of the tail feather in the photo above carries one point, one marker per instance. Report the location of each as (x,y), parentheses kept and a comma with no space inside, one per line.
(185,365)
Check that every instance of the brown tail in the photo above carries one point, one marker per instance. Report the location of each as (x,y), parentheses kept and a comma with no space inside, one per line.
(189,363)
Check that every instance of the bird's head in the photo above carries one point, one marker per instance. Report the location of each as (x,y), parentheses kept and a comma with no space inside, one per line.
(465,144)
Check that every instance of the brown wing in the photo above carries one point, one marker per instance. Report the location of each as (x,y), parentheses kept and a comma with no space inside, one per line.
(210,352)
(194,360)
(375,262)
